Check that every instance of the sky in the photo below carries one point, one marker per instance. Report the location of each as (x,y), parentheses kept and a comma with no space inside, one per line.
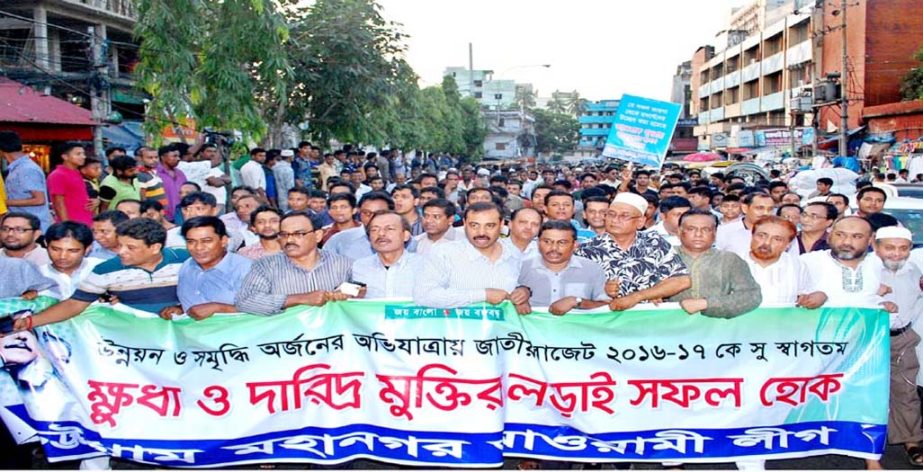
(600,48)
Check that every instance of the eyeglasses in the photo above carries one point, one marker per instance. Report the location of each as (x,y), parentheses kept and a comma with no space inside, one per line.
(14,230)
(621,216)
(294,234)
(811,216)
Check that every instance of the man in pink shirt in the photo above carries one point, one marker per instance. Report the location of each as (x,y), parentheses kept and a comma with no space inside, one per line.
(68,192)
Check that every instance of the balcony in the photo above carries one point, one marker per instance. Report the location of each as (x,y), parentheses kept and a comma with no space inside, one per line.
(596,119)
(773,101)
(704,90)
(703,117)
(732,79)
(751,72)
(732,111)
(717,114)
(750,107)
(717,85)
(120,8)
(798,53)
(773,63)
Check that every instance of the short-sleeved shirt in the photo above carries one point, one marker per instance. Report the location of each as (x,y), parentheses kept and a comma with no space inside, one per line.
(68,183)
(122,190)
(25,177)
(649,260)
(172,179)
(134,286)
(219,284)
(152,186)
(582,278)
(3,209)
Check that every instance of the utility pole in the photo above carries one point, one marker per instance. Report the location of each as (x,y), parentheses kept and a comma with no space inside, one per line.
(100,104)
(844,92)
(470,70)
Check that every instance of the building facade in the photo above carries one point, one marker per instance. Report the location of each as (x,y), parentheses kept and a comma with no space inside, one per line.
(510,134)
(48,45)
(480,85)
(748,85)
(595,122)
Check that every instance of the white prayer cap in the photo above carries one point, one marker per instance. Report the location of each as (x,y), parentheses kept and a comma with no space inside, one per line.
(894,232)
(632,199)
(287,153)
(483,172)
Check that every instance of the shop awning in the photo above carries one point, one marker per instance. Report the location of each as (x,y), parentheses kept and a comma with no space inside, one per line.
(39,117)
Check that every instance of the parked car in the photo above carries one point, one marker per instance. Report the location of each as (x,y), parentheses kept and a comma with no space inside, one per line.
(907,210)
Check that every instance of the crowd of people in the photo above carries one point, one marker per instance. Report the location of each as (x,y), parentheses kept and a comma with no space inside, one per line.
(167,232)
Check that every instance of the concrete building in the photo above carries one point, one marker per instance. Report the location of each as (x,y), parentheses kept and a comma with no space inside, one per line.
(749,83)
(480,84)
(510,135)
(684,140)
(595,122)
(882,38)
(45,44)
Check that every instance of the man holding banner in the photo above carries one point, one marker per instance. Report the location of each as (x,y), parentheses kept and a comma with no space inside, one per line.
(643,263)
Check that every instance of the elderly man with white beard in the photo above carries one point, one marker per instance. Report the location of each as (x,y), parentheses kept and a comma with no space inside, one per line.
(902,281)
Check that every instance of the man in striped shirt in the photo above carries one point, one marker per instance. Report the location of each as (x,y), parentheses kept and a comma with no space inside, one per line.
(301,274)
(144,276)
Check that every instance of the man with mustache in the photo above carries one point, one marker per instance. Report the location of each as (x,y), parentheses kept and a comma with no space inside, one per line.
(265,223)
(390,272)
(354,243)
(783,278)
(477,269)
(301,274)
(559,279)
(735,236)
(892,245)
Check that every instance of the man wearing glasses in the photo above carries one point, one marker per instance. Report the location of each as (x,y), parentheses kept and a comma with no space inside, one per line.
(19,233)
(301,274)
(640,265)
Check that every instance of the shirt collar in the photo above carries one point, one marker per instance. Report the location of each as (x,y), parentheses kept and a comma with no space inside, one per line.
(473,254)
(19,161)
(223,266)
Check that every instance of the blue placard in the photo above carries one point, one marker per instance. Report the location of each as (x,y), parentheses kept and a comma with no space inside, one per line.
(642,130)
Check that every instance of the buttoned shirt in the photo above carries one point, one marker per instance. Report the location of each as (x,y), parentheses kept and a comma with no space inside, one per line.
(23,178)
(423,244)
(67,284)
(172,179)
(531,248)
(581,278)
(396,281)
(723,280)
(736,238)
(782,281)
(352,243)
(99,252)
(219,284)
(273,278)
(905,293)
(253,176)
(648,261)
(843,285)
(456,274)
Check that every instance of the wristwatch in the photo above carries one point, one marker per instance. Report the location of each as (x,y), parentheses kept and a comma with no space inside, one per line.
(579,301)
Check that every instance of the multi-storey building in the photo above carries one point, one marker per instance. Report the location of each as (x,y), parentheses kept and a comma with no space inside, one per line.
(48,44)
(595,122)
(748,83)
(510,134)
(480,85)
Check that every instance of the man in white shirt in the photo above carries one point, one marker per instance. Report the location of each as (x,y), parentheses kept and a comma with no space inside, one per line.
(438,216)
(671,209)
(735,236)
(902,282)
(524,226)
(783,278)
(252,174)
(67,248)
(477,269)
(391,271)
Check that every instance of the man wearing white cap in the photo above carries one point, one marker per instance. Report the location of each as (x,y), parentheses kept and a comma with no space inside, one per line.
(892,246)
(640,265)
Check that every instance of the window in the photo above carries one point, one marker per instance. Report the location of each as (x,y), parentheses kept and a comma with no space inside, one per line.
(498,96)
(478,83)
(501,122)
(500,146)
(478,95)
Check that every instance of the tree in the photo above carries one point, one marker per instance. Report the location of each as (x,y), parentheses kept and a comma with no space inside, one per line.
(555,132)
(912,85)
(216,70)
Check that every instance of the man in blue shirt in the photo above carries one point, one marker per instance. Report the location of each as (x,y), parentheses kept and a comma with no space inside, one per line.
(211,278)
(25,181)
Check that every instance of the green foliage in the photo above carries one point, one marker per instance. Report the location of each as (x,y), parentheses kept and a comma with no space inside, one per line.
(555,132)
(211,60)
(912,85)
